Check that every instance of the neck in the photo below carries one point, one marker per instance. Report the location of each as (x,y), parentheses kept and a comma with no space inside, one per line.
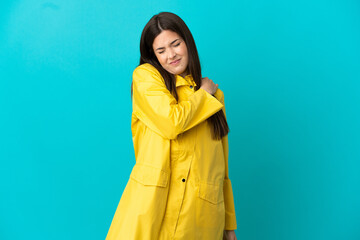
(184,73)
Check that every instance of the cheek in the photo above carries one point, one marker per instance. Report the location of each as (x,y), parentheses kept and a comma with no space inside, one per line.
(160,59)
(184,51)
(163,59)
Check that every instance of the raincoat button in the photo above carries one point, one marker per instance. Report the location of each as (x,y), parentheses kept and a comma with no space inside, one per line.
(183,179)
(191,86)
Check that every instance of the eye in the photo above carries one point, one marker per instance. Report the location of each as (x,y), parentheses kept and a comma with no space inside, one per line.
(161,52)
(177,45)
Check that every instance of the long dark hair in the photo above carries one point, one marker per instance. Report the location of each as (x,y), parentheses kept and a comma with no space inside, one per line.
(170,21)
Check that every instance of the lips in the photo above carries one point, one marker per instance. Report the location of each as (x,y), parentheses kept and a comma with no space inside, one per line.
(175,62)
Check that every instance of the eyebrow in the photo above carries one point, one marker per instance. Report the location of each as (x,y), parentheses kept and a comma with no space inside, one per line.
(170,44)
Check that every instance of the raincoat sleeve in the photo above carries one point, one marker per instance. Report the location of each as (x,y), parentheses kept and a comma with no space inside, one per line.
(230,218)
(158,109)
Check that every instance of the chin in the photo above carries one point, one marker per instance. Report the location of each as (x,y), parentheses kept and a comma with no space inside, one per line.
(180,71)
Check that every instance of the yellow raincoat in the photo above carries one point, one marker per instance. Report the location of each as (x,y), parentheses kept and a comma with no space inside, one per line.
(179,187)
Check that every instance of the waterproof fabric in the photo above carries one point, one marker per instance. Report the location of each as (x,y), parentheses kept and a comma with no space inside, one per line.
(179,187)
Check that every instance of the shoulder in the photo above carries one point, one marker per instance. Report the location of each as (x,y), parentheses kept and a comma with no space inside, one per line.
(146,71)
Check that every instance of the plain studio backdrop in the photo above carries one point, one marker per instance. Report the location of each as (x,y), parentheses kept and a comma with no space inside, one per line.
(290,72)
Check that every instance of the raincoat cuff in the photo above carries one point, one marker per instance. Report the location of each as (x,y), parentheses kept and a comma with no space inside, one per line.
(219,95)
(230,222)
(212,105)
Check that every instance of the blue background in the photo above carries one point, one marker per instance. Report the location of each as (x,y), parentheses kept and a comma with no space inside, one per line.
(290,71)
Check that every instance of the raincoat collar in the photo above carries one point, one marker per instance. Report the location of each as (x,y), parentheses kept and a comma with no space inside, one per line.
(187,80)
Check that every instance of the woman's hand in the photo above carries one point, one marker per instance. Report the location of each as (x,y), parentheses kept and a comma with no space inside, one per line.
(208,85)
(229,235)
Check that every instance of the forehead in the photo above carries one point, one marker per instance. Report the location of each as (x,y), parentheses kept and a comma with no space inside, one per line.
(165,38)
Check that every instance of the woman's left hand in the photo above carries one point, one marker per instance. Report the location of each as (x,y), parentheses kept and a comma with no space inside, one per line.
(229,235)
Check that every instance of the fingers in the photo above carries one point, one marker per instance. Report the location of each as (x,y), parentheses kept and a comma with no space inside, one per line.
(209,85)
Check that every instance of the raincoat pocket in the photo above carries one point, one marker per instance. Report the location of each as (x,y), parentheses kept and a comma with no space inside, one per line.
(211,193)
(149,176)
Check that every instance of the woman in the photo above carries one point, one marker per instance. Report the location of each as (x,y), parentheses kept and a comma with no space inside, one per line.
(179,187)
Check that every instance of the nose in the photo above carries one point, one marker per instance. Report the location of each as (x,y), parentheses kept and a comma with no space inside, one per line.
(172,54)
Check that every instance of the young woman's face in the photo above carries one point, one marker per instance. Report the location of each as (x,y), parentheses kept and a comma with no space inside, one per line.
(171,52)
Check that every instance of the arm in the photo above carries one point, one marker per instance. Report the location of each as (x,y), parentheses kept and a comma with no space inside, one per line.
(230,218)
(158,109)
